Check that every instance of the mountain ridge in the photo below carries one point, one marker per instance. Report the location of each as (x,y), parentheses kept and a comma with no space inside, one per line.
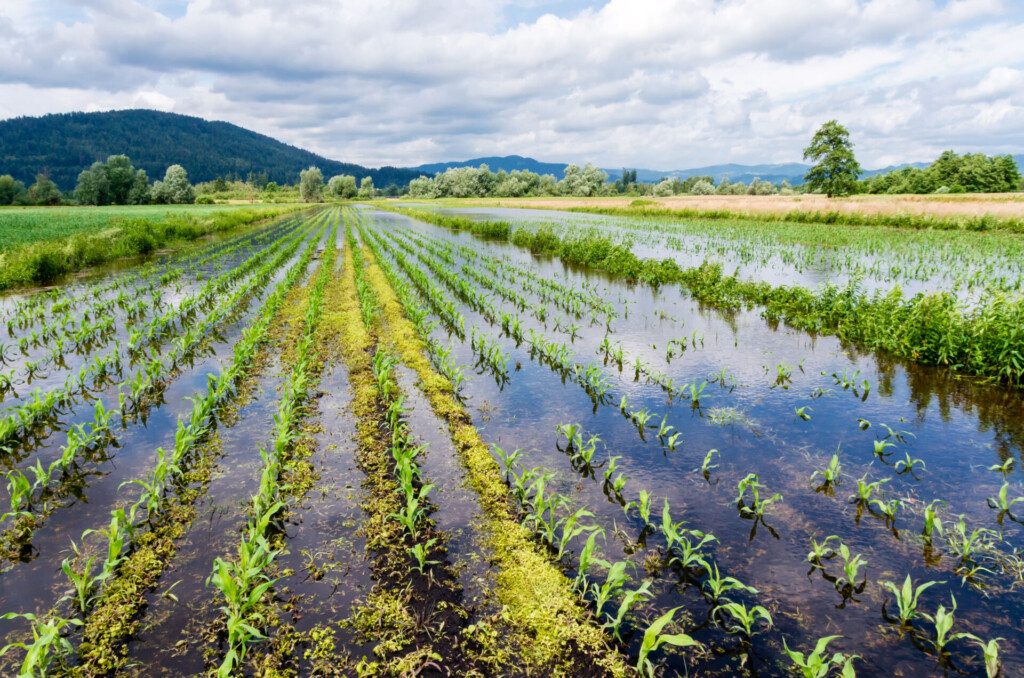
(63,144)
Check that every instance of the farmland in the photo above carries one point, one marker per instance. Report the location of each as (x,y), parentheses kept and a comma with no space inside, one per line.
(391,439)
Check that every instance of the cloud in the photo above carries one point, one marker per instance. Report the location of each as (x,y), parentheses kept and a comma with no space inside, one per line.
(650,83)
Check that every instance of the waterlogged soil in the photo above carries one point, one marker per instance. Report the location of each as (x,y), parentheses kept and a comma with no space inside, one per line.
(874,258)
(37,583)
(774,402)
(957,427)
(181,612)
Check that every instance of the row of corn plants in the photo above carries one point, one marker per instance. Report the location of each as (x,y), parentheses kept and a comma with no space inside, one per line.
(243,582)
(76,321)
(91,588)
(517,558)
(737,616)
(44,406)
(32,500)
(932,329)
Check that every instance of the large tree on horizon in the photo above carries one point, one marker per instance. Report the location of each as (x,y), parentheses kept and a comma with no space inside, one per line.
(836,169)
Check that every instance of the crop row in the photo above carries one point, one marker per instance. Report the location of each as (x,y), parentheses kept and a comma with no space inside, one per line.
(32,501)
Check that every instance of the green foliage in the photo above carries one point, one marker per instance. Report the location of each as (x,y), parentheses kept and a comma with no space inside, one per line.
(817,664)
(114,182)
(53,242)
(654,638)
(66,143)
(950,173)
(836,169)
(311,185)
(342,186)
(175,188)
(10,189)
(933,329)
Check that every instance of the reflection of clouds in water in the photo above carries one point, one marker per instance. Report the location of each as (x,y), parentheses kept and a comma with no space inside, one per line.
(959,429)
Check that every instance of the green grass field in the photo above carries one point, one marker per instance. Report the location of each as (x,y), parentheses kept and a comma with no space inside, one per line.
(25,225)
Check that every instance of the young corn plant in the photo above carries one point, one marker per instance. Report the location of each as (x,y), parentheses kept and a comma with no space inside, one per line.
(706,467)
(822,551)
(943,621)
(757,506)
(614,581)
(654,638)
(990,653)
(817,663)
(746,621)
(1004,504)
(716,586)
(830,475)
(630,599)
(852,565)
(866,490)
(49,648)
(907,597)
(1004,469)
(932,522)
(420,554)
(908,465)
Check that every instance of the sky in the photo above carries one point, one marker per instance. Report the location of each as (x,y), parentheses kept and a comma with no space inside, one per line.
(668,84)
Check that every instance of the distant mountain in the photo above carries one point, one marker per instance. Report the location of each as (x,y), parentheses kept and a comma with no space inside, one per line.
(793,172)
(497,163)
(64,144)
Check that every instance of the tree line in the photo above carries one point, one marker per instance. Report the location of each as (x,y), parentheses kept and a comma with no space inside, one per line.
(114,182)
(837,172)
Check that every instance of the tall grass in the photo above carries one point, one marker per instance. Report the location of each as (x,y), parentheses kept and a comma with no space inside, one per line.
(47,260)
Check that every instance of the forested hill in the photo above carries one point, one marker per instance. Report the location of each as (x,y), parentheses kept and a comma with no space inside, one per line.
(66,143)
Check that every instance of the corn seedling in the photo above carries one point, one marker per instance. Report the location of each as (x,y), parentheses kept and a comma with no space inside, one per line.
(932,522)
(908,464)
(817,663)
(614,581)
(1004,504)
(716,586)
(654,639)
(830,475)
(943,621)
(630,599)
(866,490)
(907,597)
(707,466)
(48,644)
(852,565)
(419,553)
(746,621)
(990,653)
(1005,468)
(755,509)
(821,551)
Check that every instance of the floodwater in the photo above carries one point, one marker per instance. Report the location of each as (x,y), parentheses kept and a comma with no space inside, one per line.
(958,429)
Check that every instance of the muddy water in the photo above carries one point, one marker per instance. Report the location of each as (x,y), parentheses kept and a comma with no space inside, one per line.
(956,427)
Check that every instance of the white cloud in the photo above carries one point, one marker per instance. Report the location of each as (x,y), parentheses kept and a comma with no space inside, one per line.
(649,83)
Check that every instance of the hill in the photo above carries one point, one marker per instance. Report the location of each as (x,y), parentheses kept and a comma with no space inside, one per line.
(64,144)
(508,163)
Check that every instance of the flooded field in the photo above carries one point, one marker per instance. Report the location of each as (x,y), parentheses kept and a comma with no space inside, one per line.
(354,442)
